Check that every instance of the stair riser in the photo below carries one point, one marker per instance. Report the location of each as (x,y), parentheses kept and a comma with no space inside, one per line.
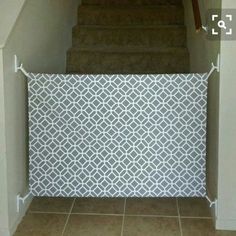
(132,2)
(162,38)
(118,63)
(130,16)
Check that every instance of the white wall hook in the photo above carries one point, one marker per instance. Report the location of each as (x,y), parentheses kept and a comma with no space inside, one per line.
(22,200)
(19,66)
(211,203)
(215,67)
(205,28)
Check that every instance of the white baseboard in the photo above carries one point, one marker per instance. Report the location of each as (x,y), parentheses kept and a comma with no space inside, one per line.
(213,210)
(226,224)
(5,232)
(21,214)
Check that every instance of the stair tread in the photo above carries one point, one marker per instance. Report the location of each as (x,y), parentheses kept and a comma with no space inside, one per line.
(162,15)
(151,27)
(127,2)
(129,36)
(90,62)
(128,7)
(137,49)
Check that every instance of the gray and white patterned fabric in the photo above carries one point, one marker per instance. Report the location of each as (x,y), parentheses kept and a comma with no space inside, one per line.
(117,135)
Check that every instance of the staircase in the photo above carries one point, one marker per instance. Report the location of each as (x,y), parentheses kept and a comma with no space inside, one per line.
(129,37)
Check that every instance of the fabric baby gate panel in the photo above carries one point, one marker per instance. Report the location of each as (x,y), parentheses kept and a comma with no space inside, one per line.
(117,135)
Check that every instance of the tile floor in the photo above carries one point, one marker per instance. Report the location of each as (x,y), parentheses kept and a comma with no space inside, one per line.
(118,217)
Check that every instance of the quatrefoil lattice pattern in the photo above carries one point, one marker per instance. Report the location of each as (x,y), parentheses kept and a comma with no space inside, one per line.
(117,135)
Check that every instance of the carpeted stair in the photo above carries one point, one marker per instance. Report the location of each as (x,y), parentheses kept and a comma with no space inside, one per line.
(129,37)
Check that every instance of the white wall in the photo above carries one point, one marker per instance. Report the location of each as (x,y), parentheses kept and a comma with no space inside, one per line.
(40,38)
(221,141)
(3,173)
(202,53)
(227,133)
(7,21)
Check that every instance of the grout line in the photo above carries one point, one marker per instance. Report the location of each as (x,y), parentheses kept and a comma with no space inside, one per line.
(49,212)
(123,220)
(128,215)
(180,225)
(96,214)
(154,216)
(67,220)
(196,217)
(107,214)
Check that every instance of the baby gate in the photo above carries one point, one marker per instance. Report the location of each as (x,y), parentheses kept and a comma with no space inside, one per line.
(117,135)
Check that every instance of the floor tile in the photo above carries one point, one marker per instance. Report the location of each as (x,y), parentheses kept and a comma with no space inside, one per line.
(99,205)
(47,204)
(41,225)
(151,206)
(195,207)
(87,225)
(225,233)
(151,226)
(202,227)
